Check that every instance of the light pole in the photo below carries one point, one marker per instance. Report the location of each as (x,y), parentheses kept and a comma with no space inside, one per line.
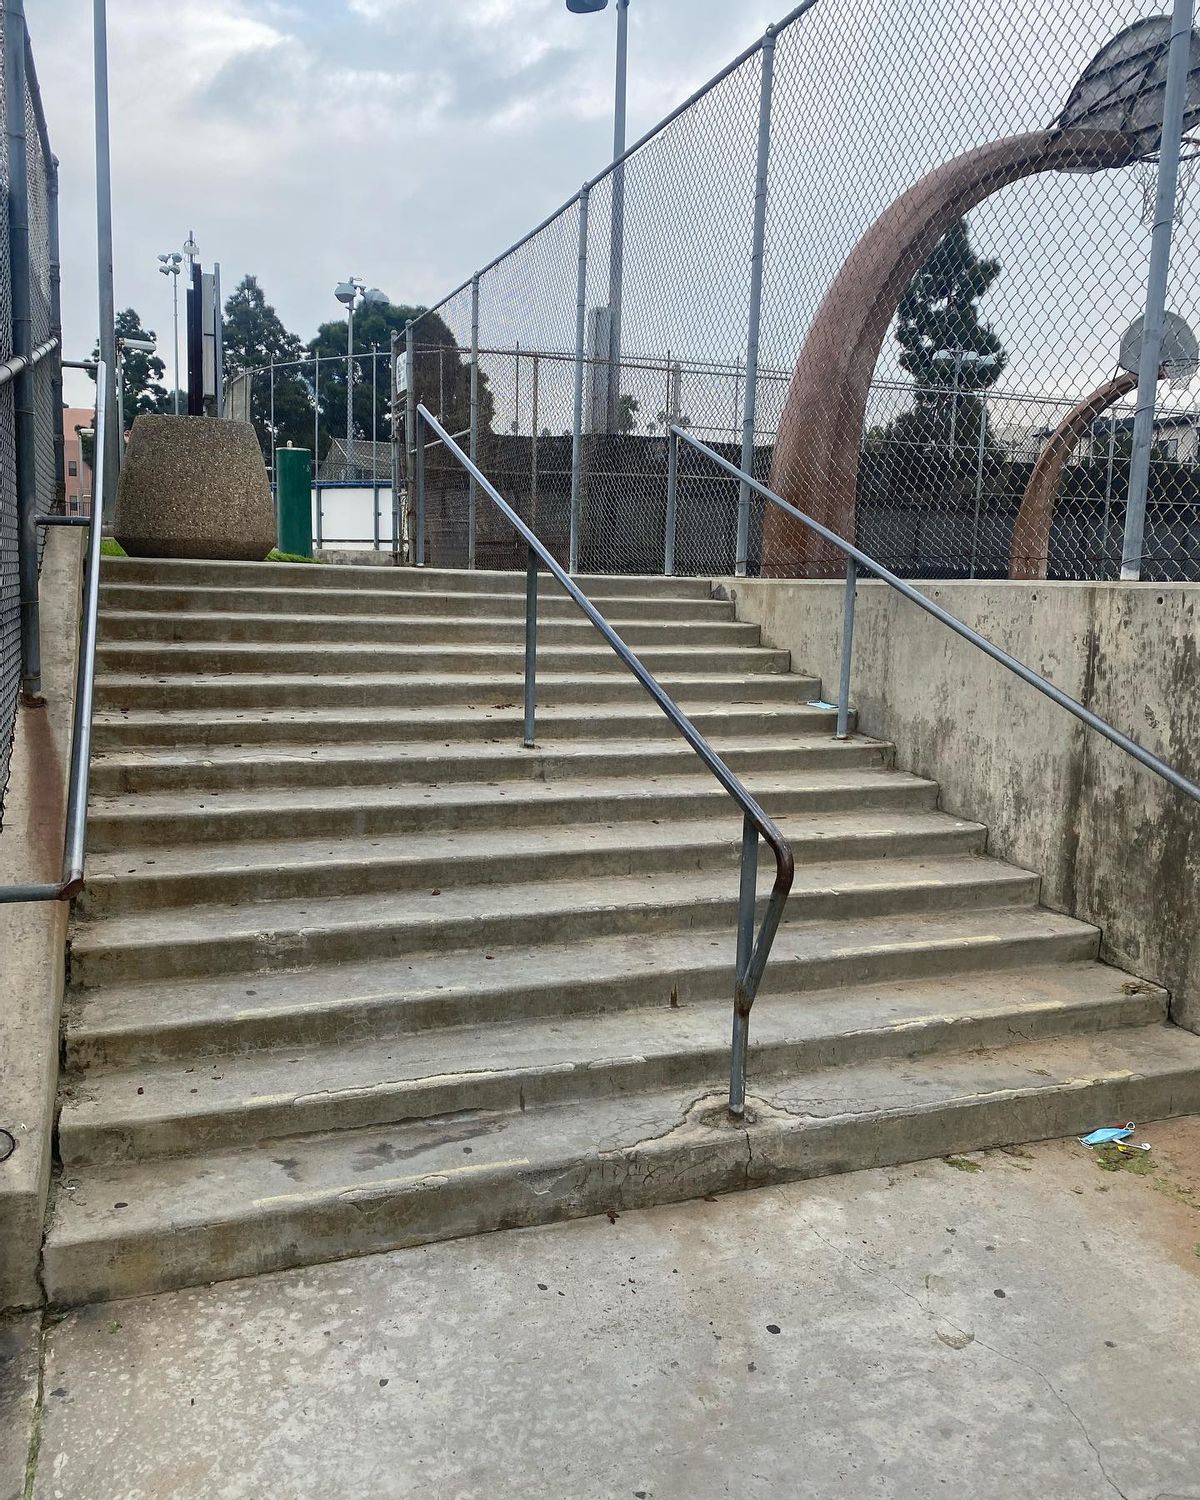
(348,294)
(616,260)
(170,267)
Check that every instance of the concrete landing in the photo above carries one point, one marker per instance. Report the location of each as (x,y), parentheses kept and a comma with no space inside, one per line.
(1016,1323)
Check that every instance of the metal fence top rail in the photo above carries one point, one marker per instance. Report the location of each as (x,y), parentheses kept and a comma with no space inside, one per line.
(867,563)
(773,31)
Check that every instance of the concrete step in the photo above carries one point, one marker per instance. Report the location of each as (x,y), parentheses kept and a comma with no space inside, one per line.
(392,764)
(157,878)
(195,690)
(314,577)
(178,1108)
(166,818)
(147,727)
(126,1023)
(184,623)
(388,656)
(267,936)
(144,1226)
(264,598)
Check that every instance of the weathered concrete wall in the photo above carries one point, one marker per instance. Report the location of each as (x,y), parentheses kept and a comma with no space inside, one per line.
(33,935)
(1115,845)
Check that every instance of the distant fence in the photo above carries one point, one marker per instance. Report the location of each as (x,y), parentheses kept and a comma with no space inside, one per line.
(31,456)
(649,296)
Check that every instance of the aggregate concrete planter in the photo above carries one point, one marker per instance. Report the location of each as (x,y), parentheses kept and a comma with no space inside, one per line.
(194,487)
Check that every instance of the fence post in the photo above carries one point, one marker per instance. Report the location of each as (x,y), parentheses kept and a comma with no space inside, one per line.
(56,380)
(374,449)
(22,346)
(474,418)
(419,484)
(749,413)
(580,334)
(531,612)
(250,408)
(672,498)
(533,460)
(983,426)
(843,703)
(1178,64)
(410,421)
(393,369)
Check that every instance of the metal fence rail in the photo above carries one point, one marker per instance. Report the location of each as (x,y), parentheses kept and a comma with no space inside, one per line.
(954,283)
(31,457)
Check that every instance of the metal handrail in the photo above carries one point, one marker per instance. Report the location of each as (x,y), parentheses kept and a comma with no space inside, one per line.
(857,559)
(752,951)
(79,775)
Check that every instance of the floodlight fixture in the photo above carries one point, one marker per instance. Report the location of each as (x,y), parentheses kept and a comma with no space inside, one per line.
(586,7)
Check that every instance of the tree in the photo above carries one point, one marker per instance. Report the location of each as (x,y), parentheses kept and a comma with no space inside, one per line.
(950,351)
(144,390)
(627,409)
(254,338)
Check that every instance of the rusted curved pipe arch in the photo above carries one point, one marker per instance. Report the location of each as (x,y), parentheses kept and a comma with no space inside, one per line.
(820,433)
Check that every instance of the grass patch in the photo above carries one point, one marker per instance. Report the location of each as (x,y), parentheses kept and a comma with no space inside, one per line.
(961,1164)
(110,547)
(276,556)
(1110,1159)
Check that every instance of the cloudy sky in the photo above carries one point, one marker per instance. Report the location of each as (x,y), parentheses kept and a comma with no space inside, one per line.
(406,141)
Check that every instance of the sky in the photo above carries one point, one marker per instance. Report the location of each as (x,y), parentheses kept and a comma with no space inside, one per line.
(404,141)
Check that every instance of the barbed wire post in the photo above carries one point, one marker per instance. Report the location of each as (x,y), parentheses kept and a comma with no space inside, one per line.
(1174,98)
(754,326)
(580,335)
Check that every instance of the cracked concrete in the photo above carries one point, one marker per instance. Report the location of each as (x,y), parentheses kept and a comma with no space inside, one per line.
(1025,1329)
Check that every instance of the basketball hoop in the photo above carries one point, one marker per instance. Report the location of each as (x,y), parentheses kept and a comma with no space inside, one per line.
(1179,353)
(1147,177)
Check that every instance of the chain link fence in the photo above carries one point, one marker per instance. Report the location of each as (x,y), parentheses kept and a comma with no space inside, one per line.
(922,347)
(30,366)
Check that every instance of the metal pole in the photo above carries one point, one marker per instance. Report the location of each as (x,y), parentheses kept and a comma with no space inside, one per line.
(978,484)
(672,499)
(411,432)
(747,896)
(533,463)
(175,323)
(393,371)
(104,261)
(580,335)
(419,482)
(274,441)
(1178,64)
(1108,490)
(531,609)
(349,390)
(317,443)
(121,389)
(218,339)
(474,438)
(616,261)
(843,704)
(517,391)
(757,255)
(56,377)
(374,439)
(22,338)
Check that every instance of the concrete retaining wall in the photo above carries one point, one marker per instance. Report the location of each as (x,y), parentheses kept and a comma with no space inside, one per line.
(1115,845)
(33,936)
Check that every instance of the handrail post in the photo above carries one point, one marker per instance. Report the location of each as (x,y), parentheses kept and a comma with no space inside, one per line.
(1174,100)
(580,334)
(419,485)
(747,898)
(531,612)
(843,703)
(757,255)
(672,500)
(474,443)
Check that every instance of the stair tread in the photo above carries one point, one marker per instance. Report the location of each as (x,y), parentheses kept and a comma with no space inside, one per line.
(416,909)
(356,1168)
(485,681)
(583,789)
(204,1086)
(806,832)
(142,1006)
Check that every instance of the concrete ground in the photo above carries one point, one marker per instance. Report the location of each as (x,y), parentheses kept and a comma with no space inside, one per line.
(1018,1323)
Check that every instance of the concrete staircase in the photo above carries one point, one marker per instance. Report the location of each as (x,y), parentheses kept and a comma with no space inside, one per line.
(354,970)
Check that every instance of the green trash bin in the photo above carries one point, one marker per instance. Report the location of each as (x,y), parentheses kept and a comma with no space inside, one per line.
(293,500)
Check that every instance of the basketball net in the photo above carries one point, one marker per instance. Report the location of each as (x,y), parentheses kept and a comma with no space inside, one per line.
(1148,182)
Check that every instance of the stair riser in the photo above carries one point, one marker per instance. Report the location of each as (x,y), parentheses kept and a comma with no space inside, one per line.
(385,1015)
(213,825)
(316,577)
(388,656)
(617,686)
(110,779)
(677,1167)
(83,1143)
(106,896)
(289,603)
(274,950)
(428,631)
(493,724)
